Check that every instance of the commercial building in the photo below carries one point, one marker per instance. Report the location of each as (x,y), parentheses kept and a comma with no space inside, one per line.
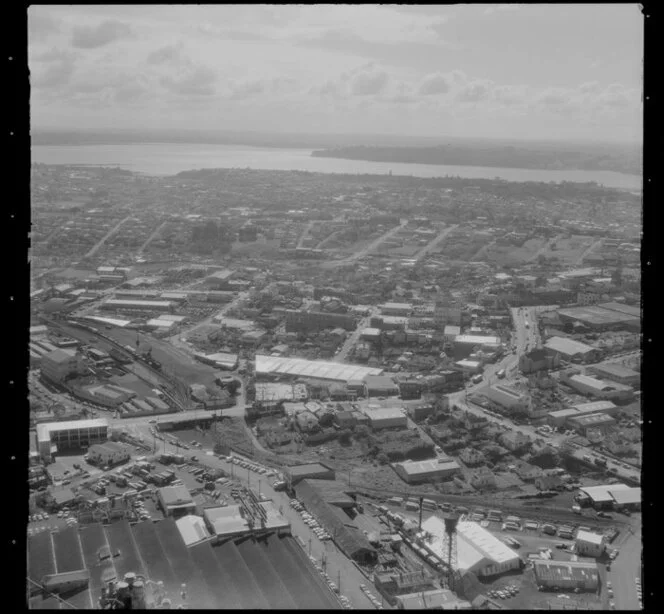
(616,373)
(387,418)
(465,345)
(397,309)
(478,550)
(380,386)
(626,498)
(566,575)
(160,325)
(108,454)
(175,501)
(571,350)
(370,334)
(599,318)
(594,422)
(590,544)
(57,365)
(413,472)
(598,388)
(219,279)
(507,397)
(601,497)
(75,434)
(450,332)
(312,321)
(469,366)
(143,306)
(315,369)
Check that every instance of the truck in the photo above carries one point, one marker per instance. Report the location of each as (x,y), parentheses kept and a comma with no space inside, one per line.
(477,379)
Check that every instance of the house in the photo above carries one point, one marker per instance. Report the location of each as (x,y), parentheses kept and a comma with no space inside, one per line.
(306,421)
(548,482)
(514,441)
(483,478)
(344,419)
(528,472)
(471,457)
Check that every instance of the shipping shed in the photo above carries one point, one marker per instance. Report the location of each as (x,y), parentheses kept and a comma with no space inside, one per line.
(600,496)
(317,369)
(478,550)
(192,529)
(571,350)
(567,575)
(349,539)
(627,498)
(333,492)
(317,471)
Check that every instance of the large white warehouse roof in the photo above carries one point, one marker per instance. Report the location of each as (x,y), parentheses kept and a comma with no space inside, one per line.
(318,369)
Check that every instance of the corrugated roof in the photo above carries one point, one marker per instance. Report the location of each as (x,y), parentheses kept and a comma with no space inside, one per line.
(312,368)
(567,346)
(626,496)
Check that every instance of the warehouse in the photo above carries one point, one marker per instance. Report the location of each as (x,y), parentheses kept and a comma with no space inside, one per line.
(317,369)
(478,550)
(159,324)
(616,373)
(626,498)
(192,529)
(129,305)
(593,422)
(598,388)
(388,418)
(507,397)
(380,386)
(600,497)
(396,309)
(70,435)
(172,318)
(157,404)
(175,501)
(219,279)
(561,417)
(221,360)
(469,366)
(370,334)
(413,472)
(590,544)
(571,350)
(438,599)
(567,575)
(465,345)
(598,318)
(318,471)
(109,321)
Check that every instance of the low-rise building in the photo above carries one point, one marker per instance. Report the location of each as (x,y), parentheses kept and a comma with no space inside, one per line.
(387,418)
(590,544)
(108,454)
(175,501)
(567,575)
(74,434)
(538,360)
(508,397)
(599,388)
(616,373)
(413,472)
(593,422)
(59,364)
(571,350)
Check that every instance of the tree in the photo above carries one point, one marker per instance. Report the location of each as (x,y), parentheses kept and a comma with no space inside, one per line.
(344,437)
(382,458)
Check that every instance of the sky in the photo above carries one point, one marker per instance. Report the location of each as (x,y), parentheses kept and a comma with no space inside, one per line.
(559,72)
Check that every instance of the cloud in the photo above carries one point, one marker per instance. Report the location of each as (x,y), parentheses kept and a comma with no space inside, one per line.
(435,84)
(553,97)
(53,70)
(248,89)
(475,91)
(129,92)
(169,53)
(41,25)
(369,82)
(86,37)
(197,82)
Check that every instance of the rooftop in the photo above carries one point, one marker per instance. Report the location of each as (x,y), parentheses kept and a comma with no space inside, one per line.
(591,538)
(567,346)
(192,529)
(175,495)
(319,369)
(427,466)
(227,520)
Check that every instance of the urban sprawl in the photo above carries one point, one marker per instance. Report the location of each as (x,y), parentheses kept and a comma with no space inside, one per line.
(262,389)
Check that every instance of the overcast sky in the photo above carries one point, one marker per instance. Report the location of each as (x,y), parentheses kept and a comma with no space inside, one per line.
(518,71)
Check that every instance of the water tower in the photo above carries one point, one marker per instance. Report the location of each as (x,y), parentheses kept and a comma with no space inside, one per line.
(451,520)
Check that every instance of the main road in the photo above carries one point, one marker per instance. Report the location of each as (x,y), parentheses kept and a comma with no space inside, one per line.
(435,242)
(371,247)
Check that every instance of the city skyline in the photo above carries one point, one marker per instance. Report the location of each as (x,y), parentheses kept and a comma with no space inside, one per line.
(482,71)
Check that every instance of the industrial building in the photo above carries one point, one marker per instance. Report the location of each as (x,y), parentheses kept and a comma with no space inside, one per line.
(626,498)
(507,397)
(562,416)
(437,599)
(370,334)
(313,321)
(387,418)
(396,309)
(54,436)
(318,471)
(175,501)
(567,575)
(571,350)
(590,544)
(616,373)
(380,386)
(538,360)
(602,497)
(593,422)
(316,369)
(599,318)
(272,572)
(219,279)
(58,365)
(221,360)
(478,550)
(413,472)
(598,388)
(192,529)
(133,305)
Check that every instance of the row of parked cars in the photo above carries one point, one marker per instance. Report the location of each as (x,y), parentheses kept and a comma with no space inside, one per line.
(310,521)
(345,602)
(507,592)
(245,464)
(374,600)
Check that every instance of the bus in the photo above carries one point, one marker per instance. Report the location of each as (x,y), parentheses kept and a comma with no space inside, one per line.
(500,374)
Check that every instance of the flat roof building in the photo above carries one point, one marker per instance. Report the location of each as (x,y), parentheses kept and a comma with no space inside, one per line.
(316,369)
(616,373)
(413,472)
(52,436)
(389,417)
(599,388)
(175,501)
(318,471)
(136,305)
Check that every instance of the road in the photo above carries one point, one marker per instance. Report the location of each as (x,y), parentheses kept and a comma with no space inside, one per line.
(351,340)
(482,250)
(372,246)
(305,233)
(544,248)
(106,237)
(151,238)
(592,248)
(435,242)
(625,569)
